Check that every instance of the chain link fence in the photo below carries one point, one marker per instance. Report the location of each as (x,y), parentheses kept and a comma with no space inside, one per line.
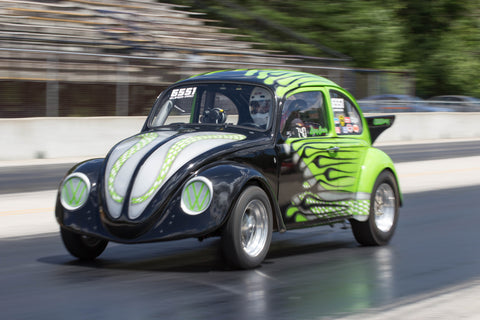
(42,83)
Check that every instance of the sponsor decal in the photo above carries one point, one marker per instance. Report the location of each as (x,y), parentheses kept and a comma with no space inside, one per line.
(183,93)
(347,120)
(336,120)
(356,128)
(381,122)
(350,128)
(342,120)
(338,130)
(301,132)
(317,131)
(337,104)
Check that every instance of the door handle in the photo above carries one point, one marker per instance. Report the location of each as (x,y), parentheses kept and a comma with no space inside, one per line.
(333,149)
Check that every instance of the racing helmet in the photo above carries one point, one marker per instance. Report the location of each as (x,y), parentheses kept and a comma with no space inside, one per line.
(260,105)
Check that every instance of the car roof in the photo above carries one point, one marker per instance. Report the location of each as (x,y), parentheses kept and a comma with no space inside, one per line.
(280,81)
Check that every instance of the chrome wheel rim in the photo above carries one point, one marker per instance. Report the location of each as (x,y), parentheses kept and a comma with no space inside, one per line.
(384,207)
(254,228)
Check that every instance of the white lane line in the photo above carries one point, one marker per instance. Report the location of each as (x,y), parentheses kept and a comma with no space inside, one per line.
(24,214)
(438,174)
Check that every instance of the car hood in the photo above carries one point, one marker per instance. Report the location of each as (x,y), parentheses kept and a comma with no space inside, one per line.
(137,168)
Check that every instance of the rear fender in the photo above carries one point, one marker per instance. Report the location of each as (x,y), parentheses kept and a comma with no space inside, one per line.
(375,162)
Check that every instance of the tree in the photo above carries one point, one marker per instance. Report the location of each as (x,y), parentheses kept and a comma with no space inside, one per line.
(439,39)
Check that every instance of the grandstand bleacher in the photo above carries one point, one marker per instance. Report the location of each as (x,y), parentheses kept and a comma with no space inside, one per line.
(60,47)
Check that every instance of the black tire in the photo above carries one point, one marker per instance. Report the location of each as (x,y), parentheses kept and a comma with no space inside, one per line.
(383,216)
(247,234)
(81,246)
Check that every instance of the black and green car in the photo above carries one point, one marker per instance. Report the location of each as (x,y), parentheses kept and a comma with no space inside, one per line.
(236,154)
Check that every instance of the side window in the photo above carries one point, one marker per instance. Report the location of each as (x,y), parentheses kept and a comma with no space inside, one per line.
(303,115)
(260,103)
(346,117)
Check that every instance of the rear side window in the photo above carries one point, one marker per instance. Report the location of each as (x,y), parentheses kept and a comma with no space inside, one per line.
(346,117)
(303,115)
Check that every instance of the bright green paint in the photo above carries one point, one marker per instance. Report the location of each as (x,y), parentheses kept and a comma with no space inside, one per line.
(380,121)
(375,162)
(336,173)
(332,171)
(289,80)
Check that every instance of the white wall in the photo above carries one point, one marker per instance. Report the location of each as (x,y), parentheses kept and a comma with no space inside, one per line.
(31,138)
(432,126)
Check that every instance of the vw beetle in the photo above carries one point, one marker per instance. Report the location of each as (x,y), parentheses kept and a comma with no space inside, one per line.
(237,154)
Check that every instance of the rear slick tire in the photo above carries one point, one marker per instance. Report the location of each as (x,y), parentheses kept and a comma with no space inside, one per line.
(247,234)
(383,215)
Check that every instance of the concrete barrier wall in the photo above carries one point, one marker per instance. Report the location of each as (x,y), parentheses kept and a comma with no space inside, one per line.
(432,126)
(32,138)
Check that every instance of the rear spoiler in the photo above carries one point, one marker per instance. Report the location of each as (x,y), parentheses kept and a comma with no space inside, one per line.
(378,124)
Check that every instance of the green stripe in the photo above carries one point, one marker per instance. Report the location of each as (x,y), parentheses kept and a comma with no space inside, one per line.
(172,156)
(145,140)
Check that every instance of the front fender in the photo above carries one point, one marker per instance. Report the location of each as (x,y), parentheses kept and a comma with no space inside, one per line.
(375,162)
(67,218)
(229,180)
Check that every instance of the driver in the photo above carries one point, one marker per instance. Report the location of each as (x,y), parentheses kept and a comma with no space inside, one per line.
(260,106)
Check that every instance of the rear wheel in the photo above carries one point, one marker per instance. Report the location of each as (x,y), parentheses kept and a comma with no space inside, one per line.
(82,246)
(383,216)
(248,232)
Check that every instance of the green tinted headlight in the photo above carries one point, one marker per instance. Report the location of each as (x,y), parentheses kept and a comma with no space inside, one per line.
(75,191)
(197,196)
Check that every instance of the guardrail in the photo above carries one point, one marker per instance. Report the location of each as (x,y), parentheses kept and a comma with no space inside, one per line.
(33,138)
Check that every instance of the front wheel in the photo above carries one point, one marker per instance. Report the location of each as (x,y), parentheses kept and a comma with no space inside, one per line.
(247,234)
(81,246)
(383,216)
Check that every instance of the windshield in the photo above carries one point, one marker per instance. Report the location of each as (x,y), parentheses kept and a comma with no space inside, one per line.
(215,104)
